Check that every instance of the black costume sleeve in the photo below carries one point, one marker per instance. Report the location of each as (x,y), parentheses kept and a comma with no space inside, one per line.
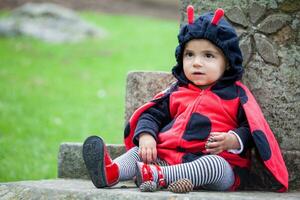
(243,131)
(153,119)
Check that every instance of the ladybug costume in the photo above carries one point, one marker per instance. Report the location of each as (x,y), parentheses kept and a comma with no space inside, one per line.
(182,117)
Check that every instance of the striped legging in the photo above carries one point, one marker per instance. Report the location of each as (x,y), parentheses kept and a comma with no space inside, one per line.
(211,172)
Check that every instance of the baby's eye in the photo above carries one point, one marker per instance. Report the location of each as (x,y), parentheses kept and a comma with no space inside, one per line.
(209,55)
(188,54)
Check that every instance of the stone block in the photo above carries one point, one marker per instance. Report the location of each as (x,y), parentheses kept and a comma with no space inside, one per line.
(260,178)
(48,22)
(66,189)
(70,160)
(142,86)
(71,165)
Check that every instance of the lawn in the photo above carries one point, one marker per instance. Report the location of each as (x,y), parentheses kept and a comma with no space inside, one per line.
(54,93)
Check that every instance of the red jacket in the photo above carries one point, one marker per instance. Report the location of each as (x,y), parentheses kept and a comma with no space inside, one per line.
(195,113)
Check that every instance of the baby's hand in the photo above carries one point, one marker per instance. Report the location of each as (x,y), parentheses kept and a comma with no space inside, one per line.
(221,141)
(147,148)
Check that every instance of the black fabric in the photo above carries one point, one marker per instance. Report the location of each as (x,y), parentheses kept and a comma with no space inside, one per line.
(127,130)
(198,127)
(153,119)
(226,92)
(168,126)
(243,131)
(262,144)
(244,175)
(189,157)
(242,95)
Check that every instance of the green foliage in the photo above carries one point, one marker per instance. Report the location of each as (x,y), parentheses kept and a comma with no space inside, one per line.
(54,93)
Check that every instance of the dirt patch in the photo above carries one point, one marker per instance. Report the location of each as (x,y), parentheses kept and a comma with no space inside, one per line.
(166,9)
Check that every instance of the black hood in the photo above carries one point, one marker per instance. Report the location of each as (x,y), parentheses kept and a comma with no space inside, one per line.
(222,35)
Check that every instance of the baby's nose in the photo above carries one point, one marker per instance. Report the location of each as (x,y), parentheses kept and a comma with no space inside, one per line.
(198,62)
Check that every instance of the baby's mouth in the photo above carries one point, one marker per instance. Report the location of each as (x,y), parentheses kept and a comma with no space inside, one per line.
(198,73)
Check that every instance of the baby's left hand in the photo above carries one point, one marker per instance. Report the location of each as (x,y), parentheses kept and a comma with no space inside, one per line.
(221,141)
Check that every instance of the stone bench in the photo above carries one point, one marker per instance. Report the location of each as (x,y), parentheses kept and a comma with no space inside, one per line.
(73,181)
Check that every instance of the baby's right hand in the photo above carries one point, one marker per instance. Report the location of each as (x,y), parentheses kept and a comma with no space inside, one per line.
(147,148)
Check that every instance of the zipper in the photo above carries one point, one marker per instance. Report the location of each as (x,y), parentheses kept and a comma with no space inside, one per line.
(197,101)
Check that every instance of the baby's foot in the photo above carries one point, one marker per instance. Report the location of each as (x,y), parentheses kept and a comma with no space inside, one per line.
(102,170)
(149,177)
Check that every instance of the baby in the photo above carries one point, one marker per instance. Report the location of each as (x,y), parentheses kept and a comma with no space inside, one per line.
(201,128)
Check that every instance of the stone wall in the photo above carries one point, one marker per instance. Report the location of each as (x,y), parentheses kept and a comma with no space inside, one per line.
(269,34)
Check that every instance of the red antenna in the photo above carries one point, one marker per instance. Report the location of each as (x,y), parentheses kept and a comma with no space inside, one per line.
(219,13)
(190,14)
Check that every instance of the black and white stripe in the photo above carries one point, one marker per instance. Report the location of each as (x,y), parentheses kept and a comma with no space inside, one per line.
(126,163)
(207,170)
(203,171)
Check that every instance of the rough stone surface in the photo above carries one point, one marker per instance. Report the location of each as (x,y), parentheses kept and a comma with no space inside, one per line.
(265,49)
(81,189)
(70,161)
(236,15)
(273,23)
(141,88)
(284,35)
(271,61)
(49,22)
(260,177)
(256,11)
(290,5)
(246,48)
(71,166)
(277,91)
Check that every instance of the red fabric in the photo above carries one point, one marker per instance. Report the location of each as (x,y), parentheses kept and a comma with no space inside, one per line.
(112,174)
(134,119)
(111,170)
(223,117)
(185,102)
(161,180)
(237,182)
(190,14)
(146,173)
(275,164)
(218,15)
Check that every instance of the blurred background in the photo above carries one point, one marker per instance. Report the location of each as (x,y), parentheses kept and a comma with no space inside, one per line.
(63,68)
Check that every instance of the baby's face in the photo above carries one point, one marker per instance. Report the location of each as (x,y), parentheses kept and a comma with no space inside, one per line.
(203,62)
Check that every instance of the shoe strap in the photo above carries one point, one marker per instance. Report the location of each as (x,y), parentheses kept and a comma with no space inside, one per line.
(146,173)
(161,180)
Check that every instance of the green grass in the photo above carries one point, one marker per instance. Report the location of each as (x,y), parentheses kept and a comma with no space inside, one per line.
(53,93)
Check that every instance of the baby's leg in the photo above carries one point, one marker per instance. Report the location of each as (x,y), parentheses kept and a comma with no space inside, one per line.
(103,171)
(212,171)
(224,183)
(127,163)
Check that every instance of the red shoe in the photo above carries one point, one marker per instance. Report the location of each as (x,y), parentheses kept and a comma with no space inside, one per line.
(102,170)
(144,174)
